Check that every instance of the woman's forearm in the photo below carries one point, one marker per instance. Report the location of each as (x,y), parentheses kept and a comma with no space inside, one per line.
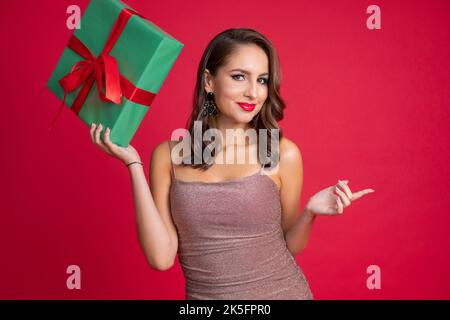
(152,233)
(297,236)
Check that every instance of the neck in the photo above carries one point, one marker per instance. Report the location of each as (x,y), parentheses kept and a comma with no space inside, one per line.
(223,124)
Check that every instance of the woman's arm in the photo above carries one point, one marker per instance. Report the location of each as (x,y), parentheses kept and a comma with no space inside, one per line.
(329,201)
(153,232)
(296,228)
(156,231)
(297,236)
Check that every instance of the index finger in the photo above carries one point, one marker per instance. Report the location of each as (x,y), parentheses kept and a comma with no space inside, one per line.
(359,194)
(93,126)
(107,141)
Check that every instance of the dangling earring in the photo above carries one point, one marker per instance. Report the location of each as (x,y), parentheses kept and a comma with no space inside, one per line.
(209,107)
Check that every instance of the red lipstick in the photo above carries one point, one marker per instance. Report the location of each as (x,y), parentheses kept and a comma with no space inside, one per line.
(247,106)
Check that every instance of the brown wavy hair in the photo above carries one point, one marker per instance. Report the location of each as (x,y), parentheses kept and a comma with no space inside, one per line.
(215,56)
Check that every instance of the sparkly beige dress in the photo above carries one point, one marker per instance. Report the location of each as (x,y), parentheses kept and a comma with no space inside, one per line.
(231,243)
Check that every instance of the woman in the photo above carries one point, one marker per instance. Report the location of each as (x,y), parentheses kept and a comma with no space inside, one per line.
(234,226)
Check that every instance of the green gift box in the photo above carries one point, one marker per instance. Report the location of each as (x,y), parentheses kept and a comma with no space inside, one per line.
(138,60)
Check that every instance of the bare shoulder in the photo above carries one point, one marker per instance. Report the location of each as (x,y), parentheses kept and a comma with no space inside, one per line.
(291,173)
(289,151)
(290,159)
(161,153)
(160,162)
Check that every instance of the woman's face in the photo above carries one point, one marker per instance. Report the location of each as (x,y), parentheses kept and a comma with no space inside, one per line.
(244,79)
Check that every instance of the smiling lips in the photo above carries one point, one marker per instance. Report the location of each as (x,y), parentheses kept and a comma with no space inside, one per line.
(247,106)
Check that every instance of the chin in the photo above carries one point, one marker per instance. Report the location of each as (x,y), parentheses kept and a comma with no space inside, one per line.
(245,118)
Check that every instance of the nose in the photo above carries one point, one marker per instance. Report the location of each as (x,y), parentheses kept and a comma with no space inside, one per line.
(251,91)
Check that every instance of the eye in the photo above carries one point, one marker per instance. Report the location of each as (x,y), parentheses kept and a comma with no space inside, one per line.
(237,75)
(265,80)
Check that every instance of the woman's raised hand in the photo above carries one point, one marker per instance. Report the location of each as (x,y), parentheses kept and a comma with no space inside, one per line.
(334,199)
(126,155)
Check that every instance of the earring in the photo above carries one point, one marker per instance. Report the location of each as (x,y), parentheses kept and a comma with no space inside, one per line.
(209,107)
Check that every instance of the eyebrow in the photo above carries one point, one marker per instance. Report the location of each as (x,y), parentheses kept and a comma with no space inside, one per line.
(247,72)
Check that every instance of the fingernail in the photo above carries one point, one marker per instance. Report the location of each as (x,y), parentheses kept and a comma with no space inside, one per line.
(107,130)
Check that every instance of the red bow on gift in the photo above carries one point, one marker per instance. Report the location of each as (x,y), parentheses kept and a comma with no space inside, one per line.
(92,69)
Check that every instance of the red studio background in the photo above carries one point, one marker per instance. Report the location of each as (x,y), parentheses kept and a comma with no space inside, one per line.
(370,106)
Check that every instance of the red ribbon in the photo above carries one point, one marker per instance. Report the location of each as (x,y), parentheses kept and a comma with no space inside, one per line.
(92,69)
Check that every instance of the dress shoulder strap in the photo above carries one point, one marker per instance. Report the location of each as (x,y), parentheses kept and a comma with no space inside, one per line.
(261,169)
(172,168)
